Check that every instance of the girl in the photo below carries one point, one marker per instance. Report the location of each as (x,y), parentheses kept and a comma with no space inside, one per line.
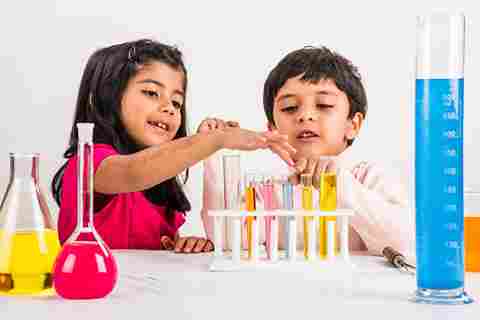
(135,93)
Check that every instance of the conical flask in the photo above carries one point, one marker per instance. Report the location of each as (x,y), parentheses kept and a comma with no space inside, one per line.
(85,267)
(28,241)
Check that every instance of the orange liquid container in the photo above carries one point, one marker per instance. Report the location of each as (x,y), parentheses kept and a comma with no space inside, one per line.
(472,242)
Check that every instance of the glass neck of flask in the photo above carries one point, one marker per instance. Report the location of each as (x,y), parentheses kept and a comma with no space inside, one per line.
(24,166)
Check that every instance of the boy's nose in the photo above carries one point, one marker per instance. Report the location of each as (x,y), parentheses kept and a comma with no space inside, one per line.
(307,116)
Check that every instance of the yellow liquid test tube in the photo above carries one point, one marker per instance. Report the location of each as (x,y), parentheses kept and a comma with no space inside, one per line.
(307,204)
(251,206)
(328,202)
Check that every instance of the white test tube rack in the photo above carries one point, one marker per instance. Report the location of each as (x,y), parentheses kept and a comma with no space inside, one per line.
(236,260)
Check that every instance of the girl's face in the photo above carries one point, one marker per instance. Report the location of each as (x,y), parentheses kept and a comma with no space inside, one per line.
(315,117)
(151,104)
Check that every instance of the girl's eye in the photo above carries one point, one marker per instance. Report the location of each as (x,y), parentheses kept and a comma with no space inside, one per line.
(290,109)
(150,93)
(177,105)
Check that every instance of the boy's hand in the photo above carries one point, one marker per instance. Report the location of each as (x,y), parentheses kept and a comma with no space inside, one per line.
(210,124)
(314,167)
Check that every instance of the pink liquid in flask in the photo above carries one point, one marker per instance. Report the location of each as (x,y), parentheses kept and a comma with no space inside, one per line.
(83,271)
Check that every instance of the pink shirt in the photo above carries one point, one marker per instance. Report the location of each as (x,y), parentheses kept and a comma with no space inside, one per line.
(124,220)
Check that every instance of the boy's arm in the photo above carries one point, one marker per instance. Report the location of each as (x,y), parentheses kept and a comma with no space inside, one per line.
(382,216)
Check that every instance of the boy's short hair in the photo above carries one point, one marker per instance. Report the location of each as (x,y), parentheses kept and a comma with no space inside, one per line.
(316,64)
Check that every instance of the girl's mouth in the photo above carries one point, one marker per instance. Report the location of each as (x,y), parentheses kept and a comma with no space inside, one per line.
(158,125)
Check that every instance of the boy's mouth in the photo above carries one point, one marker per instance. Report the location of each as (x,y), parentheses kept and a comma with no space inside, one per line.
(306,135)
(159,125)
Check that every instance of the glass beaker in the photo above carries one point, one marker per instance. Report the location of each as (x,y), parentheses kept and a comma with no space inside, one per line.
(28,240)
(439,90)
(85,268)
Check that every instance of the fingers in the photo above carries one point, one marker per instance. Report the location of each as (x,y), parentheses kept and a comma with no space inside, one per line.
(180,244)
(167,243)
(206,125)
(283,152)
(294,179)
(199,245)
(191,242)
(323,166)
(193,245)
(310,167)
(301,165)
(208,246)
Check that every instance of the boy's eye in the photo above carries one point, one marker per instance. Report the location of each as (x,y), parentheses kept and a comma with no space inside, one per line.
(290,109)
(150,93)
(324,106)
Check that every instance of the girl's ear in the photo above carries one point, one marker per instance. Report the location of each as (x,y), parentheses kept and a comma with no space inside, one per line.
(354,125)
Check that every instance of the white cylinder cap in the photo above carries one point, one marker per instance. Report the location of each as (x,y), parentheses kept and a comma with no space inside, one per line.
(85,132)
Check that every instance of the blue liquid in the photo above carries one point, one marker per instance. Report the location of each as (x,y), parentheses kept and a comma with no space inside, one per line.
(439,183)
(287,192)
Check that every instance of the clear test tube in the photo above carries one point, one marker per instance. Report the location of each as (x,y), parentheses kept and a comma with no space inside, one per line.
(309,231)
(290,221)
(439,90)
(327,187)
(232,195)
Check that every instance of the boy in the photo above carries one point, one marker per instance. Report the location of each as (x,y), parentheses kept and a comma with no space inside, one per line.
(316,97)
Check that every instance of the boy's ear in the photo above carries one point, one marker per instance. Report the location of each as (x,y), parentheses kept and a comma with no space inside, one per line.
(354,126)
(270,126)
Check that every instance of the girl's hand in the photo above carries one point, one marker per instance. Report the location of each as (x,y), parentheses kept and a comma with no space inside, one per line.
(210,124)
(242,139)
(314,167)
(193,245)
(186,244)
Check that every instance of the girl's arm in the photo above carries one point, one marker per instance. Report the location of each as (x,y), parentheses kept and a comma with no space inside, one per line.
(149,167)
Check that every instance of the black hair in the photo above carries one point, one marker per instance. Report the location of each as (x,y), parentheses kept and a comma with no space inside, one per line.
(102,86)
(316,64)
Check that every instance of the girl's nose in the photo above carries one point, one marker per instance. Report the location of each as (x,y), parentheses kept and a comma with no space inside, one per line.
(168,108)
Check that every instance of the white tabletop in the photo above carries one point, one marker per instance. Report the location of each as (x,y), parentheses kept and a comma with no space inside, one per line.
(164,285)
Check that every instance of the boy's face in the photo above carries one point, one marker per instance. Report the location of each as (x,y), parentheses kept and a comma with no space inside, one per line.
(315,117)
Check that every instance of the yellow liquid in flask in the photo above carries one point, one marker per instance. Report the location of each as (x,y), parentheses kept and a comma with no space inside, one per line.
(26,261)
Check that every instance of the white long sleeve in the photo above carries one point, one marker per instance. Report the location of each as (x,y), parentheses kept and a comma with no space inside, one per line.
(382,215)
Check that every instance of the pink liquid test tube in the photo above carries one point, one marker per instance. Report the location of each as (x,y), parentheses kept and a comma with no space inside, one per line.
(268,194)
(85,268)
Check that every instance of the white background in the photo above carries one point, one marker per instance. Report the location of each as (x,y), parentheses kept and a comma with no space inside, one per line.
(229,49)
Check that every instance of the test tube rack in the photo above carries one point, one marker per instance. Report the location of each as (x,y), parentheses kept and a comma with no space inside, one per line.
(237,261)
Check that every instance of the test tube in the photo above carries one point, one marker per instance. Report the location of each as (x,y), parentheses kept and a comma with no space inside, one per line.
(327,202)
(218,235)
(271,221)
(290,222)
(232,176)
(344,251)
(252,230)
(439,89)
(308,221)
